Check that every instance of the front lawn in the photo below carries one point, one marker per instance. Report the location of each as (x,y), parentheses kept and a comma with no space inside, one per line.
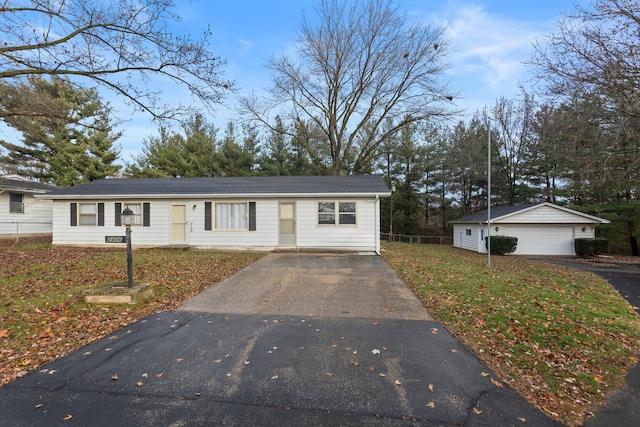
(42,311)
(561,337)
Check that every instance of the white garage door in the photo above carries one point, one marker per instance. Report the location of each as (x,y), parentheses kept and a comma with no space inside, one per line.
(542,240)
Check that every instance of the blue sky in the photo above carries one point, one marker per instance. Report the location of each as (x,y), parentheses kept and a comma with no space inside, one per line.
(490,41)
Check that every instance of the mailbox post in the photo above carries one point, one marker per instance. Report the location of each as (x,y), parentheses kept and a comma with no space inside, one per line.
(127,219)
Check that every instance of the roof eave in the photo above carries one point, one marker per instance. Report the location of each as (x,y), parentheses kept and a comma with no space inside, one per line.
(211,196)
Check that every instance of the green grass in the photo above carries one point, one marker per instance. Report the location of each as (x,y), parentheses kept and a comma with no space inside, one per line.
(561,337)
(42,310)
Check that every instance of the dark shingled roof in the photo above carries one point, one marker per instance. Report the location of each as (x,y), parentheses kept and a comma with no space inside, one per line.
(496,212)
(358,184)
(27,186)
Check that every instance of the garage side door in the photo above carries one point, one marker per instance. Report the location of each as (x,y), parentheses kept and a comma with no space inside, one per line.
(546,240)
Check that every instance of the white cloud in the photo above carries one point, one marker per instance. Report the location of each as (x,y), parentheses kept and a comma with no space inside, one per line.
(245,45)
(492,46)
(488,49)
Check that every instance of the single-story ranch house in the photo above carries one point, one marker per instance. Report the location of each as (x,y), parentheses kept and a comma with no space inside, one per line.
(542,229)
(20,213)
(339,213)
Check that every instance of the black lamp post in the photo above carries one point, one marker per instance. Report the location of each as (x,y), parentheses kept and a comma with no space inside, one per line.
(127,219)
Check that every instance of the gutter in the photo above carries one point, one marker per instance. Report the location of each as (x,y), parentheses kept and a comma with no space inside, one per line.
(207,196)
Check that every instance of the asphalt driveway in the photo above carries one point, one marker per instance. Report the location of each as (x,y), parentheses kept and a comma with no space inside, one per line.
(292,340)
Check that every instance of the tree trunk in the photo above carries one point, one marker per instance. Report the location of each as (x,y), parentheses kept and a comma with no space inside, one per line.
(634,246)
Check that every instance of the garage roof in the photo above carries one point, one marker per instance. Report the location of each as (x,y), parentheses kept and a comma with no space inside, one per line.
(502,212)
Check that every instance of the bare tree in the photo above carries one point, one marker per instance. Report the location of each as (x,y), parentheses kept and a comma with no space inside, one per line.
(513,147)
(593,60)
(117,44)
(360,65)
(595,54)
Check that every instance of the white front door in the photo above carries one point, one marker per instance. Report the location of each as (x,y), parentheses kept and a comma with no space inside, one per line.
(178,224)
(287,224)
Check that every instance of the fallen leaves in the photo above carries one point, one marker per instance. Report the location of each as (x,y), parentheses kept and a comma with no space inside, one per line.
(566,335)
(45,318)
(497,383)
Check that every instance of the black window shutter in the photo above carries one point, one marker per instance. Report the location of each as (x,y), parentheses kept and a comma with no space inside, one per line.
(118,222)
(74,214)
(207,215)
(252,216)
(146,214)
(100,214)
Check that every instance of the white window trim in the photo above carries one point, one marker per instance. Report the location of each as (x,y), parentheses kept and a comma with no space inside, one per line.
(336,214)
(95,215)
(124,206)
(229,202)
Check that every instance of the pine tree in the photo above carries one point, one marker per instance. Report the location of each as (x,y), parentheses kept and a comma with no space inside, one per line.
(71,144)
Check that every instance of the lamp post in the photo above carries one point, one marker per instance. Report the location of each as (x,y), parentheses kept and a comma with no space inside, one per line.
(127,219)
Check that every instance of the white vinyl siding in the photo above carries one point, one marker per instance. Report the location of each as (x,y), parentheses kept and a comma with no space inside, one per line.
(265,237)
(35,218)
(544,215)
(157,234)
(467,236)
(363,236)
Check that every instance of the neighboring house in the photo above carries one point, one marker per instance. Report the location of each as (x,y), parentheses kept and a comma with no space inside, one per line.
(249,213)
(20,213)
(543,229)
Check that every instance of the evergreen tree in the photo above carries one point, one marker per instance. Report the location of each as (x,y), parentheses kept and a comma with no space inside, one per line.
(278,157)
(70,145)
(171,154)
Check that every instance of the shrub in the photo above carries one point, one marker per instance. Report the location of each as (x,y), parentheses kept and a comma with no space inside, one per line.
(591,247)
(501,245)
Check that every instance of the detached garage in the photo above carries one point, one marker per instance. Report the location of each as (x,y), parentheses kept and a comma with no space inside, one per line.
(542,229)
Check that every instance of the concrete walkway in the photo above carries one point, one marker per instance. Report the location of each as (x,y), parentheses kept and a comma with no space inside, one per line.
(333,286)
(293,340)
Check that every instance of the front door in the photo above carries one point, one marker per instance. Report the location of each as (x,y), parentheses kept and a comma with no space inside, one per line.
(287,224)
(178,224)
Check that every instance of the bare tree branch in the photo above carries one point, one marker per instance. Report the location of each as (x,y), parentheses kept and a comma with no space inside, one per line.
(359,64)
(119,45)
